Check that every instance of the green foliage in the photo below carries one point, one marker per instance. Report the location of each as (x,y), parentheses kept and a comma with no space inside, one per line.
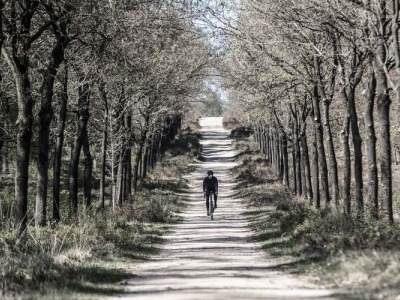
(213,106)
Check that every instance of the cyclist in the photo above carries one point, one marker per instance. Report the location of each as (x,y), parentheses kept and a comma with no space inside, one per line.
(210,184)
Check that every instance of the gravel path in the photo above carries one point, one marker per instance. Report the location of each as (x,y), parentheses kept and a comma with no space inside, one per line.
(204,259)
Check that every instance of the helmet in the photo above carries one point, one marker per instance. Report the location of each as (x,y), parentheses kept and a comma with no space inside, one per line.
(210,173)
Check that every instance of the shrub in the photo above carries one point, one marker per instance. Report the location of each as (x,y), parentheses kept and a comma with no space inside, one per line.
(327,230)
(187,143)
(155,209)
(241,132)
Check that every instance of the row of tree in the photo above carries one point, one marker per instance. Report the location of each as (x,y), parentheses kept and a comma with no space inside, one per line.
(316,80)
(109,79)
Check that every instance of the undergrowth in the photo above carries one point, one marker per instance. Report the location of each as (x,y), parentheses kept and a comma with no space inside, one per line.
(88,255)
(360,255)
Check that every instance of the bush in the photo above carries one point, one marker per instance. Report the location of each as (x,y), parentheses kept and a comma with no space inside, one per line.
(329,231)
(232,118)
(187,143)
(241,132)
(155,208)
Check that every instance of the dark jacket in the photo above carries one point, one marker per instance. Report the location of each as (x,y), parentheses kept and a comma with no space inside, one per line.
(210,184)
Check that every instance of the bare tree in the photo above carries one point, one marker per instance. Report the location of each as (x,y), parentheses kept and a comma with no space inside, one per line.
(21,34)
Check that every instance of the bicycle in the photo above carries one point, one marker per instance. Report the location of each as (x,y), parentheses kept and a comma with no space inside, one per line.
(211,205)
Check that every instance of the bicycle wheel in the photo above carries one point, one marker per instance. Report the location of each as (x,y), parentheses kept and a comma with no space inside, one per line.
(211,206)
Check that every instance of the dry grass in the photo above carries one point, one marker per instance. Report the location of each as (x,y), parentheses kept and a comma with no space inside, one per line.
(82,257)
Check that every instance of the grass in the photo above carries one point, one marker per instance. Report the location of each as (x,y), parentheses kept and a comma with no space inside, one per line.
(69,259)
(359,257)
(85,258)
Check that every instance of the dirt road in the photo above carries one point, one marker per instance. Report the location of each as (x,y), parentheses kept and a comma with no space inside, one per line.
(204,259)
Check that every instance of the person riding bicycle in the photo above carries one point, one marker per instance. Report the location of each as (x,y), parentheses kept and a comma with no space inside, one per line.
(210,184)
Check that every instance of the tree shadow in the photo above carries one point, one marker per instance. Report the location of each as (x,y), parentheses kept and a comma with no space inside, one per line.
(92,280)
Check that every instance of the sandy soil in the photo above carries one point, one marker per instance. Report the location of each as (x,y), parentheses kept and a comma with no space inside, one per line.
(204,259)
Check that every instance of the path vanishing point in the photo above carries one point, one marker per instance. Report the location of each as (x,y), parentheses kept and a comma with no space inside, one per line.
(204,259)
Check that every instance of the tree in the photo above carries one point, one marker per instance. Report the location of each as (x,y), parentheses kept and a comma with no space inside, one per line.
(21,35)
(279,51)
(60,14)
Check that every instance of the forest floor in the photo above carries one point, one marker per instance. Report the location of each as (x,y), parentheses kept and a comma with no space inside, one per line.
(217,259)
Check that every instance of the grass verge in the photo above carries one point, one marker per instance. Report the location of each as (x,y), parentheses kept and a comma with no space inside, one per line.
(359,257)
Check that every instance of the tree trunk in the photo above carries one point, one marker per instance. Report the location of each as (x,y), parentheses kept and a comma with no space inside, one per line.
(285,163)
(357,146)
(19,67)
(333,169)
(370,144)
(120,181)
(104,145)
(4,127)
(139,162)
(2,121)
(159,146)
(2,135)
(326,101)
(4,161)
(87,179)
(83,117)
(262,144)
(306,164)
(103,165)
(152,151)
(294,164)
(136,172)
(279,156)
(2,37)
(25,120)
(315,172)
(346,165)
(257,134)
(272,150)
(128,175)
(45,117)
(1,147)
(267,149)
(396,152)
(383,101)
(59,146)
(145,161)
(320,146)
(299,183)
(19,30)
(396,53)
(279,160)
(276,155)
